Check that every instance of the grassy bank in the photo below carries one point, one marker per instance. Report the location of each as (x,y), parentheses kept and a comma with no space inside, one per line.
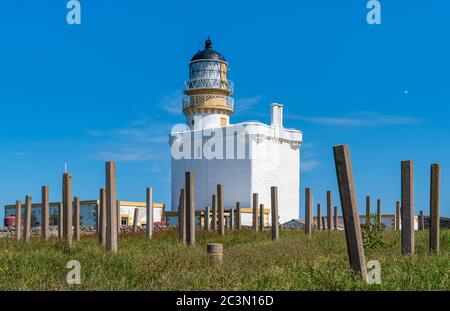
(252,262)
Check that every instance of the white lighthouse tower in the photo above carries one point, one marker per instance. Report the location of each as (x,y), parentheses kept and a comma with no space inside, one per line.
(245,158)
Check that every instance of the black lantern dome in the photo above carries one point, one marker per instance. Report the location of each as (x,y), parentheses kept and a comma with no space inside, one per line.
(208,53)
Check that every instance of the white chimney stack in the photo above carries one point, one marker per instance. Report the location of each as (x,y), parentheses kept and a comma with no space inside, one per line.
(276,116)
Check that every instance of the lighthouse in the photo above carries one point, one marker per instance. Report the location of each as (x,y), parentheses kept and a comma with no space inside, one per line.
(245,158)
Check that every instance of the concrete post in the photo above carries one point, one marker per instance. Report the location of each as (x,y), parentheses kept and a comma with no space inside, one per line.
(18,220)
(238,216)
(408,238)
(214,213)
(347,194)
(182,217)
(368,212)
(232,220)
(336,218)
(274,211)
(221,210)
(111,208)
(379,215)
(215,252)
(190,207)
(255,211)
(421,221)
(45,230)
(76,221)
(27,223)
(102,208)
(60,220)
(397,216)
(319,217)
(308,211)
(67,209)
(435,207)
(207,218)
(329,210)
(261,217)
(149,210)
(135,219)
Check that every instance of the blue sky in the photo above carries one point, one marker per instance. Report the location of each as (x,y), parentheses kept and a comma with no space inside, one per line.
(110,89)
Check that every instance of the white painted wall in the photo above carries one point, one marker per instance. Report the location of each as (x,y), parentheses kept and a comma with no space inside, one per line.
(205,120)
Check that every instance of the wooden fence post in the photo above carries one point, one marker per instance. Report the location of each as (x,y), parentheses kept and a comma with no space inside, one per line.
(135,219)
(27,223)
(45,230)
(274,211)
(308,211)
(111,208)
(255,211)
(350,214)
(397,215)
(329,210)
(368,216)
(238,216)
(379,216)
(232,220)
(221,210)
(102,222)
(60,220)
(407,207)
(261,217)
(336,218)
(76,221)
(119,219)
(435,203)
(319,217)
(190,207)
(149,210)
(421,221)
(207,219)
(182,217)
(67,209)
(214,213)
(18,220)
(324,227)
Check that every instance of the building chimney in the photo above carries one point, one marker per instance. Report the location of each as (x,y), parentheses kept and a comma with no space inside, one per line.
(276,116)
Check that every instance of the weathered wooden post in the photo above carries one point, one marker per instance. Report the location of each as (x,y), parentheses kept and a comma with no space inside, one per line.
(67,209)
(215,252)
(397,215)
(149,210)
(18,220)
(408,239)
(329,210)
(308,211)
(45,230)
(335,218)
(274,211)
(368,216)
(60,220)
(119,219)
(221,210)
(319,217)
(102,208)
(255,211)
(182,217)
(238,216)
(350,210)
(135,219)
(214,213)
(435,206)
(261,217)
(111,209)
(379,216)
(207,218)
(421,221)
(323,224)
(190,207)
(232,219)
(27,223)
(76,221)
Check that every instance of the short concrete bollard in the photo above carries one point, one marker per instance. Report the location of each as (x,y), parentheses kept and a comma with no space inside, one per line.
(76,221)
(274,211)
(18,220)
(347,193)
(27,224)
(221,210)
(135,219)
(215,252)
(407,186)
(308,211)
(149,211)
(435,203)
(111,209)
(329,210)
(45,230)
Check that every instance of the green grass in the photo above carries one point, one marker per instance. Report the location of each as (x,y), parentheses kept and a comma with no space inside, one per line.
(251,262)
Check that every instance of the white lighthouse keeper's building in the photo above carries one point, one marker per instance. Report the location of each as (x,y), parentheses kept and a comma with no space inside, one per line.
(245,158)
